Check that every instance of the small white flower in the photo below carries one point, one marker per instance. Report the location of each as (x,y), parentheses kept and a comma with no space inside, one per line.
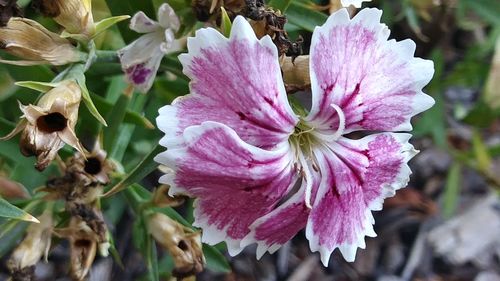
(141,59)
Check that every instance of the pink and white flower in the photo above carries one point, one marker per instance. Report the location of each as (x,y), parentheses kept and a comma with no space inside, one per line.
(141,59)
(262,172)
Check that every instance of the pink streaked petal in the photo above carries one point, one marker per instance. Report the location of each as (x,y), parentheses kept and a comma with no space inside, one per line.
(357,175)
(141,23)
(235,81)
(282,224)
(377,83)
(235,182)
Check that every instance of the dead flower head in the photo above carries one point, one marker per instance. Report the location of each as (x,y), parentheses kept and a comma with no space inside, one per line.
(30,41)
(34,246)
(183,244)
(74,15)
(84,245)
(92,169)
(49,124)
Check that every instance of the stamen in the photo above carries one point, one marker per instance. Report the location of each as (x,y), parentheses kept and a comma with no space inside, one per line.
(308,179)
(340,129)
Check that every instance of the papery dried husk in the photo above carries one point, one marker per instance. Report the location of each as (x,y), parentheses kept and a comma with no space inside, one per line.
(33,247)
(34,44)
(74,15)
(183,244)
(296,71)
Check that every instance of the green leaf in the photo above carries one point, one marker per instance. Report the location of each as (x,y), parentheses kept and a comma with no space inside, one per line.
(106,23)
(120,7)
(144,168)
(130,116)
(303,15)
(152,259)
(225,23)
(481,152)
(8,210)
(452,190)
(77,72)
(115,118)
(281,5)
(37,86)
(215,260)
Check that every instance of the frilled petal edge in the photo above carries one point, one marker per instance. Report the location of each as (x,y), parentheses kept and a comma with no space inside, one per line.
(357,175)
(235,182)
(235,81)
(376,82)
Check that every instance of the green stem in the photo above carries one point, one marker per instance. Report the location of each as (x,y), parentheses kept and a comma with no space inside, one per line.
(107,56)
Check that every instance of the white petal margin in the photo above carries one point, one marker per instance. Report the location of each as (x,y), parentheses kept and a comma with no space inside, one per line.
(377,83)
(355,3)
(353,220)
(235,183)
(235,81)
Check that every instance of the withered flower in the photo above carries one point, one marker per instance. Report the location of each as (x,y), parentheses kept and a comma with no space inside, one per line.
(74,15)
(162,199)
(34,246)
(92,169)
(49,124)
(83,246)
(33,43)
(183,244)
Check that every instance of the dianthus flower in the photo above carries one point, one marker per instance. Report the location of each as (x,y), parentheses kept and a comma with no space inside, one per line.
(262,172)
(141,59)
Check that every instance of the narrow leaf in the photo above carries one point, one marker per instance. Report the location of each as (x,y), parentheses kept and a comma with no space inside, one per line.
(107,23)
(144,168)
(37,86)
(8,210)
(215,260)
(225,23)
(452,190)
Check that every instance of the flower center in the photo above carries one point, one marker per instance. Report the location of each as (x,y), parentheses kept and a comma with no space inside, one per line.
(52,122)
(93,166)
(304,140)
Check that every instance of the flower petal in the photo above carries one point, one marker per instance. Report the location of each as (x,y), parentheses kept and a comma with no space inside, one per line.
(235,183)
(141,59)
(273,230)
(235,81)
(357,175)
(377,83)
(167,17)
(141,23)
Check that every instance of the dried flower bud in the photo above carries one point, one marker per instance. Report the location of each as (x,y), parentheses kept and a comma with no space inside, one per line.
(48,125)
(84,243)
(34,246)
(94,169)
(12,190)
(74,15)
(296,71)
(162,199)
(183,244)
(32,42)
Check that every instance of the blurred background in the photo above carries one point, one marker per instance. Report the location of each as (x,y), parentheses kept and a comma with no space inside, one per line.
(444,226)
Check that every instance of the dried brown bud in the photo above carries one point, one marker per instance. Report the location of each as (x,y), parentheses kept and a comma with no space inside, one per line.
(34,246)
(74,15)
(183,244)
(33,43)
(50,124)
(12,190)
(92,169)
(84,244)
(162,199)
(296,71)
